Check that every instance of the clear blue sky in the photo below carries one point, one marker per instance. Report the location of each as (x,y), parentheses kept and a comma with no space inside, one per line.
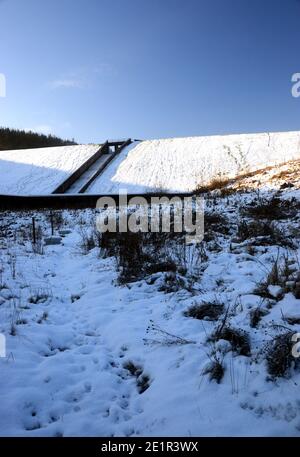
(96,69)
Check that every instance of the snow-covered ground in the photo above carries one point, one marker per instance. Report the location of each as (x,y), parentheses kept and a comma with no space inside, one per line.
(40,171)
(72,330)
(182,164)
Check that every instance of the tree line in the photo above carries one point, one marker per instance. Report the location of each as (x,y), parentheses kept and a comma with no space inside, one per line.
(21,139)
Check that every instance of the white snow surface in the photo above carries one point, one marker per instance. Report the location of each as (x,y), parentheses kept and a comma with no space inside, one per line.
(182,164)
(174,165)
(71,328)
(41,170)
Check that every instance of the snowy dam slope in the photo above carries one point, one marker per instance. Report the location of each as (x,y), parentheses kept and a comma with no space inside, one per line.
(180,164)
(41,170)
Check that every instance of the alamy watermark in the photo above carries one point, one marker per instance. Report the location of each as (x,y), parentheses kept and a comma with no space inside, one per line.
(2,85)
(153,214)
(296,346)
(296,85)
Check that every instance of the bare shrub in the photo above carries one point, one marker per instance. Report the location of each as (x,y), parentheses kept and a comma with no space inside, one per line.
(216,183)
(215,370)
(40,293)
(43,317)
(12,261)
(216,222)
(15,316)
(37,243)
(268,233)
(256,315)
(143,383)
(273,208)
(134,369)
(239,339)
(208,311)
(163,337)
(55,218)
(90,238)
(279,355)
(142,379)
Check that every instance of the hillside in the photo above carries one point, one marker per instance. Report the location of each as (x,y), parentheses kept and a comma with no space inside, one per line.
(170,165)
(184,164)
(40,171)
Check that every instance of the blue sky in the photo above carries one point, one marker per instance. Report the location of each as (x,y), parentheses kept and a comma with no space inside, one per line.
(97,69)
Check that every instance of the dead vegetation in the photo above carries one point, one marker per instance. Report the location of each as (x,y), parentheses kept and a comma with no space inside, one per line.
(281,176)
(205,311)
(215,370)
(140,255)
(265,233)
(142,379)
(279,356)
(272,208)
(215,184)
(256,315)
(239,339)
(90,238)
(162,337)
(215,222)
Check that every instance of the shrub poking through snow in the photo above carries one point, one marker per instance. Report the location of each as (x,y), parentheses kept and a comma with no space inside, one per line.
(253,229)
(262,290)
(130,256)
(256,315)
(89,239)
(279,355)
(108,244)
(142,380)
(142,254)
(43,317)
(217,183)
(164,266)
(55,219)
(143,383)
(172,282)
(37,243)
(271,286)
(138,255)
(207,311)
(273,208)
(134,369)
(75,297)
(292,320)
(163,337)
(239,339)
(38,298)
(215,370)
(216,222)
(296,290)
(15,314)
(268,233)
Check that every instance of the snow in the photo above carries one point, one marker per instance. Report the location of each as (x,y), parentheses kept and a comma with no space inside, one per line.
(40,171)
(64,373)
(182,164)
(172,165)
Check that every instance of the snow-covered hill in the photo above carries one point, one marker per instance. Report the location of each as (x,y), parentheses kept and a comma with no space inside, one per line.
(174,165)
(182,164)
(40,171)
